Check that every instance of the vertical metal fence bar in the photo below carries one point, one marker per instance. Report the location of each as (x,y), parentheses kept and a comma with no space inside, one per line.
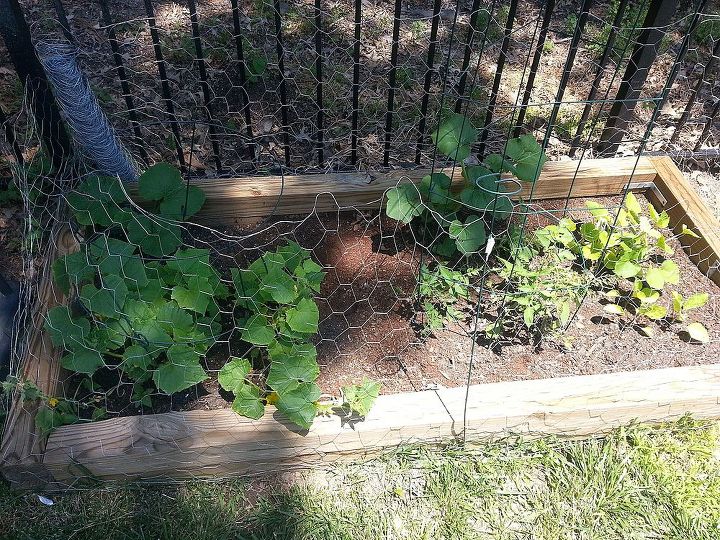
(242,67)
(708,126)
(122,76)
(594,87)
(284,107)
(658,17)
(356,83)
(319,86)
(694,93)
(469,38)
(10,137)
(204,84)
(164,84)
(567,69)
(549,8)
(63,20)
(428,79)
(498,76)
(392,81)
(685,45)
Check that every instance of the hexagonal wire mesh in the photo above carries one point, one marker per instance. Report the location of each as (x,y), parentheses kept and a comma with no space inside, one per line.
(156,307)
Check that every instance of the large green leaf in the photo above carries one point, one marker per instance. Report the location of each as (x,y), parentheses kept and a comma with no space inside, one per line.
(304,318)
(72,270)
(196,296)
(82,360)
(173,318)
(136,362)
(670,271)
(655,277)
(107,301)
(182,370)
(299,405)
(232,375)
(192,262)
(524,158)
(696,300)
(65,331)
(455,136)
(280,286)
(183,203)
(403,203)
(312,273)
(115,257)
(290,370)
(293,254)
(468,236)
(485,192)
(247,401)
(626,269)
(159,181)
(361,397)
(97,201)
(154,238)
(258,331)
(436,189)
(698,332)
(152,335)
(247,285)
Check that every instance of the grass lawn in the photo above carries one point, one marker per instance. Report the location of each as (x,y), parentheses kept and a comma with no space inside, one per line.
(639,483)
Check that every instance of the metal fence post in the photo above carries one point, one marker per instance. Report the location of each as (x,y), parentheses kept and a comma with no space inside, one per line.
(16,34)
(659,14)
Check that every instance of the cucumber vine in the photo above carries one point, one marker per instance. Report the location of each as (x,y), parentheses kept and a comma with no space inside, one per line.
(150,308)
(459,222)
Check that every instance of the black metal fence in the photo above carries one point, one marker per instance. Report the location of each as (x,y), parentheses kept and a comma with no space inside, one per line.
(223,87)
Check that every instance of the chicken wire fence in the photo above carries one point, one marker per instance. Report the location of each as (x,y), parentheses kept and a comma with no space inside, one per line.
(151,312)
(335,86)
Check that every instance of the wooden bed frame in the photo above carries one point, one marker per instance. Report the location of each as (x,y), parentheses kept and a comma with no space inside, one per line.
(219,442)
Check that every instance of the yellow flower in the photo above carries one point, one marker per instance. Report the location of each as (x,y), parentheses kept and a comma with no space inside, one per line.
(271,398)
(53,401)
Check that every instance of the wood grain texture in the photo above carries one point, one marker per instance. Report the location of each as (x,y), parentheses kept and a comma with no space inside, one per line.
(248,198)
(21,449)
(685,207)
(219,442)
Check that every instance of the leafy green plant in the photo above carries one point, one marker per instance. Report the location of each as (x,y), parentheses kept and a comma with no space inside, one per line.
(628,246)
(458,223)
(152,309)
(440,289)
(538,285)
(144,305)
(275,294)
(359,398)
(356,400)
(52,412)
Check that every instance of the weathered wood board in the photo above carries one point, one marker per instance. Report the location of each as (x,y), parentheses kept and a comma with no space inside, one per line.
(686,209)
(21,448)
(219,442)
(243,199)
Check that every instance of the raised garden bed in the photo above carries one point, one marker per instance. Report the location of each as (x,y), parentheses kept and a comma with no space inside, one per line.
(218,442)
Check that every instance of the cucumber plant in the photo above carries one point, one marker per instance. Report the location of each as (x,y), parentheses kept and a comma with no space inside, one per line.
(460,222)
(151,309)
(142,303)
(279,317)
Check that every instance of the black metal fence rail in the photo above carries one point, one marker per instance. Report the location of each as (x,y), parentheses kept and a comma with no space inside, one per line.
(255,85)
